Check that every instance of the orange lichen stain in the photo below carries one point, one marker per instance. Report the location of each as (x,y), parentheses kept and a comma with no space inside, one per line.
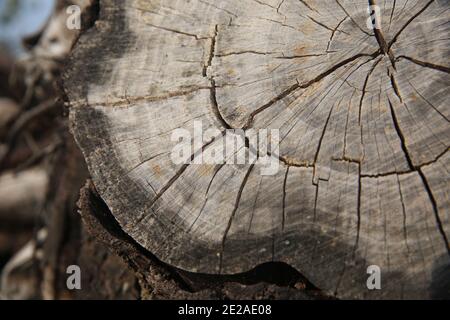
(308,28)
(231,72)
(300,50)
(412,97)
(156,170)
(205,170)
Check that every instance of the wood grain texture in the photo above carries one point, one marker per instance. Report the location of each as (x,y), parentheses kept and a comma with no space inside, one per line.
(363,120)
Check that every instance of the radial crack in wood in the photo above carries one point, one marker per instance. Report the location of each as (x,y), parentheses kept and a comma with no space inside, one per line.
(362,117)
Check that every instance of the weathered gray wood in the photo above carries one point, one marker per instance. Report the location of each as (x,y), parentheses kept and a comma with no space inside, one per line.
(363,120)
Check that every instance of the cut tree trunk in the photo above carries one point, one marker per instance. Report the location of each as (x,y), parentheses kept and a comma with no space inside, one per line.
(362,115)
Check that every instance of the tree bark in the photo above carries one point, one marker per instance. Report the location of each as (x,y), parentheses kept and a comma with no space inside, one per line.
(362,117)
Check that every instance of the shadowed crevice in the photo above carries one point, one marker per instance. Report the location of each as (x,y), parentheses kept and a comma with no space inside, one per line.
(102,225)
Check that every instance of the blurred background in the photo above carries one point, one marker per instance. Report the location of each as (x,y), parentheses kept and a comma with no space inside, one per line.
(41,169)
(23,180)
(20,19)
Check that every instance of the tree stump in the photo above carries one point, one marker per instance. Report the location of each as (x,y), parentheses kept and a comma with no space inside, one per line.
(359,98)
